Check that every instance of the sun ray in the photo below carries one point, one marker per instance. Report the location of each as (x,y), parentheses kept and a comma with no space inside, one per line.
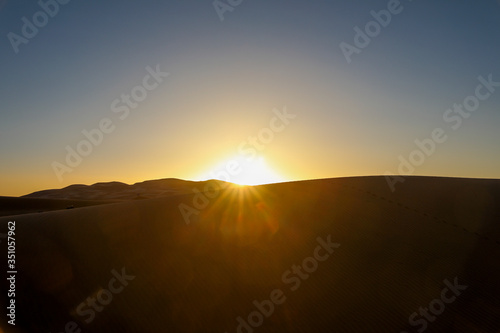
(246,215)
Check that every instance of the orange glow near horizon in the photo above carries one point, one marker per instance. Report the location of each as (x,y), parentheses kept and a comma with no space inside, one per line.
(244,171)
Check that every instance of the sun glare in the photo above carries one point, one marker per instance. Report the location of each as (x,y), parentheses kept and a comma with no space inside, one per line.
(244,171)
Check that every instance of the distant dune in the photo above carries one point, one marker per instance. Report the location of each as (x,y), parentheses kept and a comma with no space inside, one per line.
(119,191)
(328,255)
(75,196)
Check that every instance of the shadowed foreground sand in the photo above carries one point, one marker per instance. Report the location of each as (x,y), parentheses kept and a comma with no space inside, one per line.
(332,255)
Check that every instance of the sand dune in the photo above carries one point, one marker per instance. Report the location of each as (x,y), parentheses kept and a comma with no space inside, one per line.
(17,206)
(330,255)
(119,191)
(78,195)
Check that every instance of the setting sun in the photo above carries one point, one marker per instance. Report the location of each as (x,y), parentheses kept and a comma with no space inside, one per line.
(244,171)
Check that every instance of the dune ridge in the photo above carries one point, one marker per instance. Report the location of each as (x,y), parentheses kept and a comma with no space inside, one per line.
(118,190)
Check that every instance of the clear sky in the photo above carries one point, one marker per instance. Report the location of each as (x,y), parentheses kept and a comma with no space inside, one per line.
(228,79)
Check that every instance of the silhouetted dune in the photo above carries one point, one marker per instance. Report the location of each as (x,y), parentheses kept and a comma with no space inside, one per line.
(119,191)
(329,255)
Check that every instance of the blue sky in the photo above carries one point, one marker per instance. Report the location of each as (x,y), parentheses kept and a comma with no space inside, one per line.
(227,76)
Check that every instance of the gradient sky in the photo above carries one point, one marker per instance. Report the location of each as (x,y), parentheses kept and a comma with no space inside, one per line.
(226,77)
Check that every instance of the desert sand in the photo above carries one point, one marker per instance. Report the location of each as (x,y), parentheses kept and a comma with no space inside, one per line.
(328,255)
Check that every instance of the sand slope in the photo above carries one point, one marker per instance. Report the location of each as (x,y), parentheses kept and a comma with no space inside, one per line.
(17,206)
(396,250)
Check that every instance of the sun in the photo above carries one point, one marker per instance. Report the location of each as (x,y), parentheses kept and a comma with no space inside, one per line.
(256,172)
(244,171)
